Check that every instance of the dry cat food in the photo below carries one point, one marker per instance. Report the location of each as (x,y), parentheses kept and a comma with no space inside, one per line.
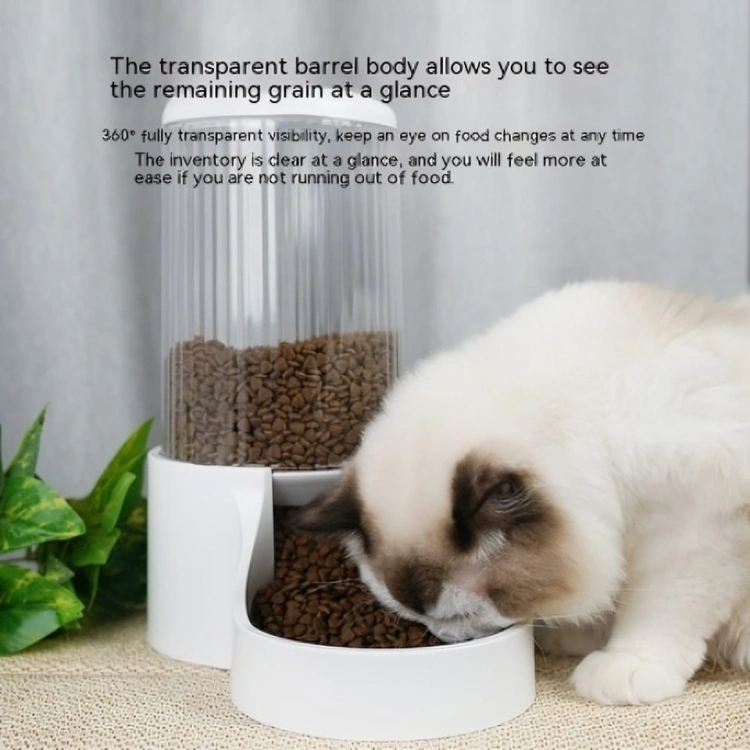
(298,405)
(317,597)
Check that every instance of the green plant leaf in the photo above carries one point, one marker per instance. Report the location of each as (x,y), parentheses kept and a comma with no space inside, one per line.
(103,510)
(32,607)
(24,462)
(135,491)
(112,508)
(86,584)
(137,467)
(104,514)
(2,473)
(123,580)
(56,571)
(32,513)
(129,456)
(94,548)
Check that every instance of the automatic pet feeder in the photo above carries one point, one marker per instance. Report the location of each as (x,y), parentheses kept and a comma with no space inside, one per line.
(281,322)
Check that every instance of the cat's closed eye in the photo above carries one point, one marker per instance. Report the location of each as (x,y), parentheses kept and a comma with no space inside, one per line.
(507,495)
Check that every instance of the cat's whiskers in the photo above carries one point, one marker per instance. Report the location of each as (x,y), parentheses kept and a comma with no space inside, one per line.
(316,586)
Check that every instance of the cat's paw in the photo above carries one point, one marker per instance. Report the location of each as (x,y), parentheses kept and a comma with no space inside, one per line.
(625,677)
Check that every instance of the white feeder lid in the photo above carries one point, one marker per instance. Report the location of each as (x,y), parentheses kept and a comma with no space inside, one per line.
(354,109)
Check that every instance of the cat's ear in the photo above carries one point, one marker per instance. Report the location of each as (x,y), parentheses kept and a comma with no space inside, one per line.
(335,511)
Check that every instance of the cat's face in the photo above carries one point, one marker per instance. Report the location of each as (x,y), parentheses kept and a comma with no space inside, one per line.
(496,554)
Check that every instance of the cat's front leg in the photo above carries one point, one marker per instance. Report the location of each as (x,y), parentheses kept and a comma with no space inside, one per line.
(674,600)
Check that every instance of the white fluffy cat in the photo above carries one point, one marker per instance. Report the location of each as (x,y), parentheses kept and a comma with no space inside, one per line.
(584,464)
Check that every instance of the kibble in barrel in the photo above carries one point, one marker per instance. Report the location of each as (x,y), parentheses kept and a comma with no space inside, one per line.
(300,405)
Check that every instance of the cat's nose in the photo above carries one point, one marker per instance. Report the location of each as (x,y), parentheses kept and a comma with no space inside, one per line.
(415,585)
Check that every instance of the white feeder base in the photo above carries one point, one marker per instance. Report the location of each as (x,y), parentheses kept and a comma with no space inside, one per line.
(210,550)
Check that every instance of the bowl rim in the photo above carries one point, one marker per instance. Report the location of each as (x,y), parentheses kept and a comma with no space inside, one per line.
(494,640)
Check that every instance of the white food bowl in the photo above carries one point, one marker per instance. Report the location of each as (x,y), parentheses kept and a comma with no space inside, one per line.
(371,694)
(198,612)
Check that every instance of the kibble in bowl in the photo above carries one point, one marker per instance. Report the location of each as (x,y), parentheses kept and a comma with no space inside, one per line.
(314,654)
(317,597)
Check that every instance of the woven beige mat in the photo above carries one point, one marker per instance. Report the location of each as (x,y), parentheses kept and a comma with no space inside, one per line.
(108,690)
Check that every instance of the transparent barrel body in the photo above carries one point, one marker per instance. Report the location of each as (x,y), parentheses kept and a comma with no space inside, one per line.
(281,298)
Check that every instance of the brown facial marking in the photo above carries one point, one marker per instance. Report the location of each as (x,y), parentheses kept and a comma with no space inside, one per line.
(417,585)
(530,583)
(335,512)
(530,569)
(490,498)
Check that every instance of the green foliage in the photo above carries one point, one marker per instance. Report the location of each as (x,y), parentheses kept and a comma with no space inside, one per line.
(90,552)
(32,607)
(33,513)
(122,583)
(24,462)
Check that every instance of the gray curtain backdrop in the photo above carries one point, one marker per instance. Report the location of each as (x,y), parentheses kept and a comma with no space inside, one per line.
(79,242)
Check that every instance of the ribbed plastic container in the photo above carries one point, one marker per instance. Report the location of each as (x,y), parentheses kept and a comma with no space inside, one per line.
(281,281)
